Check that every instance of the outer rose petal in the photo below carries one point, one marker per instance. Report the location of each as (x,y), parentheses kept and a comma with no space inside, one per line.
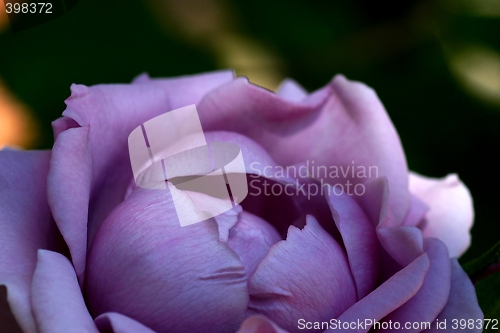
(113,322)
(389,296)
(451,211)
(57,301)
(462,303)
(291,91)
(113,111)
(144,265)
(304,277)
(432,296)
(68,191)
(259,324)
(26,225)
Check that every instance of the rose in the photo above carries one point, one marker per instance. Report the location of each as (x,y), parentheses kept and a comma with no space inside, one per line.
(372,256)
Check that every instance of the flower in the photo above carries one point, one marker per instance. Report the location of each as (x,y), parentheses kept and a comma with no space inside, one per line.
(276,263)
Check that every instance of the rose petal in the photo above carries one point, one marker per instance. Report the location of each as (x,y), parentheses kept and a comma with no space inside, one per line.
(462,303)
(190,89)
(451,211)
(432,296)
(26,225)
(416,213)
(360,241)
(376,204)
(58,304)
(345,113)
(305,276)
(61,124)
(251,238)
(68,191)
(144,265)
(403,243)
(113,322)
(291,91)
(389,296)
(113,111)
(9,323)
(259,324)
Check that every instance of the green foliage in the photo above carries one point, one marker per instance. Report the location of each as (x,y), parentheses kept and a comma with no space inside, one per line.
(488,294)
(475,266)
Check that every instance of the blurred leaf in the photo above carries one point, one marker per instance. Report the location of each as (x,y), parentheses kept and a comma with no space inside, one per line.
(488,295)
(492,256)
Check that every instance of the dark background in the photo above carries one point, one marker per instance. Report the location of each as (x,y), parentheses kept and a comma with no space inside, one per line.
(434,64)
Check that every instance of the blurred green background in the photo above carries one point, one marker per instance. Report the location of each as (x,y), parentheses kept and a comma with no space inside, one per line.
(434,64)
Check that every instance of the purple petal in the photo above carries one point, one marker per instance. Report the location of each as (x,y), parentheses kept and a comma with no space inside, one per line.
(57,301)
(375,202)
(187,90)
(432,296)
(360,241)
(416,213)
(291,91)
(346,113)
(451,211)
(113,322)
(251,238)
(403,243)
(144,265)
(462,303)
(259,324)
(113,111)
(305,276)
(26,225)
(376,205)
(389,296)
(61,124)
(68,191)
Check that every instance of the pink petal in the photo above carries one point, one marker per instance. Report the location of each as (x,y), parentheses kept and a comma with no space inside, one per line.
(58,304)
(389,296)
(346,113)
(113,111)
(259,324)
(113,322)
(68,191)
(360,241)
(462,303)
(432,296)
(144,265)
(451,211)
(26,225)
(306,276)
(291,91)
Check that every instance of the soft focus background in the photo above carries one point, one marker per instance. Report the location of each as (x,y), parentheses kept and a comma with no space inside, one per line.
(434,64)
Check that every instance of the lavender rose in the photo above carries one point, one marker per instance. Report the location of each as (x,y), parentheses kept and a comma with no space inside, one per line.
(277,263)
